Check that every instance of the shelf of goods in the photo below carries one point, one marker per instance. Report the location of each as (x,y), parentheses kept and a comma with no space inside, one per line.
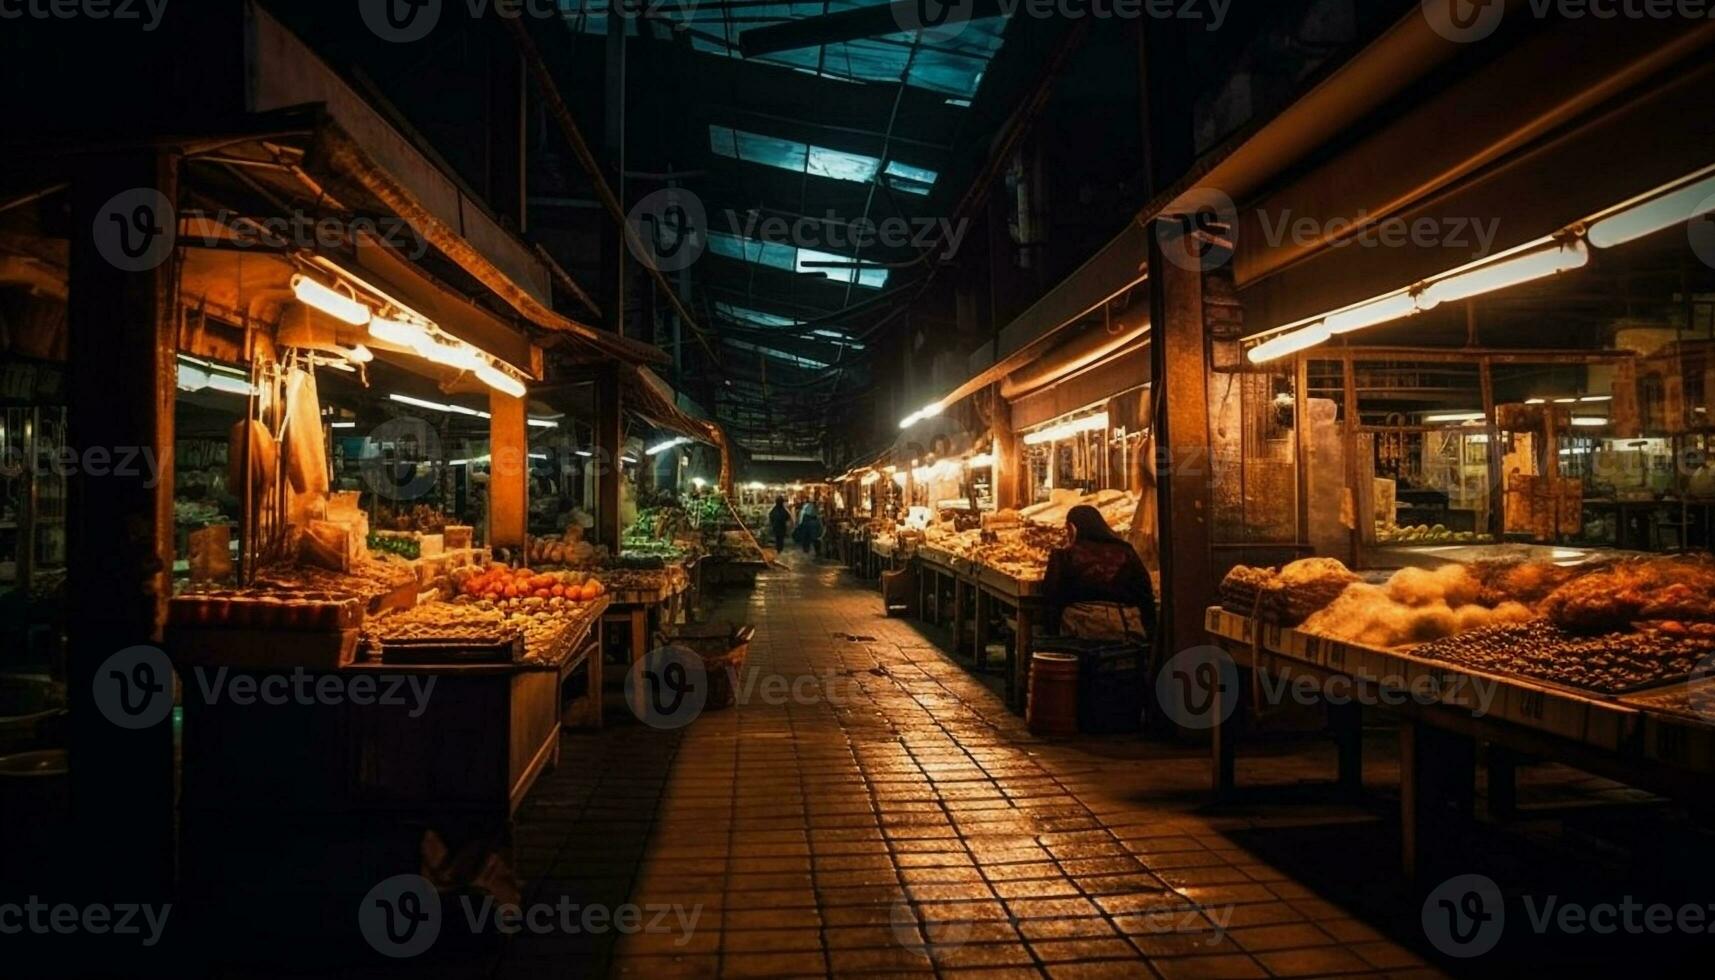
(487,650)
(1609,654)
(1011,548)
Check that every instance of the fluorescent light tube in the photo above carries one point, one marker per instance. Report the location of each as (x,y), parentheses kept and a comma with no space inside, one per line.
(1281,345)
(400,332)
(1653,213)
(438,406)
(1395,307)
(330,301)
(1522,268)
(1455,417)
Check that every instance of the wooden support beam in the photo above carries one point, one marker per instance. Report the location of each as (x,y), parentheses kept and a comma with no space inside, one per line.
(1008,474)
(609,445)
(509,471)
(119,535)
(1180,363)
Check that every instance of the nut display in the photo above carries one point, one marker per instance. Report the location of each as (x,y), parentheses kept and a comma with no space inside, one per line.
(1609,663)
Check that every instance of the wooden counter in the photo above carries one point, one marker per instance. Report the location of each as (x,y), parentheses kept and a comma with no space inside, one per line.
(1629,738)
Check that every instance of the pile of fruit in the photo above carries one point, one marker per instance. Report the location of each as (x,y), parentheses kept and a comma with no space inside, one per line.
(499,582)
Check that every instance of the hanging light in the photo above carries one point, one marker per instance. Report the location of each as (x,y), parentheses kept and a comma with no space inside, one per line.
(401,333)
(1066,430)
(1651,213)
(660,448)
(1519,269)
(1292,342)
(1455,417)
(330,301)
(1396,307)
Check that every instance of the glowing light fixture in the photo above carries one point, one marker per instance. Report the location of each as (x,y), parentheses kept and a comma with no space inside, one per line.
(1455,417)
(542,423)
(926,412)
(1589,422)
(342,425)
(330,301)
(438,406)
(1653,212)
(662,447)
(1066,430)
(403,333)
(980,462)
(1291,342)
(1396,307)
(1516,270)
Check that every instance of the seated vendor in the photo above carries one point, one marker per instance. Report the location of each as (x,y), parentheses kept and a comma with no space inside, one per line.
(1096,587)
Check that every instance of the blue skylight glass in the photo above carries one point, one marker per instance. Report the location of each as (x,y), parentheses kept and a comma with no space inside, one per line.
(778,256)
(821,161)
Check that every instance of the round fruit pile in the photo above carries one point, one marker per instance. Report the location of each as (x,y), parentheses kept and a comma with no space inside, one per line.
(500,582)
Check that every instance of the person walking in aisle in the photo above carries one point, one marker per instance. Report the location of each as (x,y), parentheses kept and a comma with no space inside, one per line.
(809,527)
(779,520)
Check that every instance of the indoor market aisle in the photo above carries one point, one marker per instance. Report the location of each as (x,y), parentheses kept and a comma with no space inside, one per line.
(876,809)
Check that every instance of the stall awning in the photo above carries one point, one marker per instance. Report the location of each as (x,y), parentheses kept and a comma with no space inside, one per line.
(645,395)
(1559,145)
(356,146)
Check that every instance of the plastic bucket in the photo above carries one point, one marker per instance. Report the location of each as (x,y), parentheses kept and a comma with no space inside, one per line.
(1052,708)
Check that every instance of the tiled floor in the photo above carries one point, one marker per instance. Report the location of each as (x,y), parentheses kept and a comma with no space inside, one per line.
(892,817)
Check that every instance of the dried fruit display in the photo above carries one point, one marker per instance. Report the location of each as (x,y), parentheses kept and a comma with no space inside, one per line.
(1608,663)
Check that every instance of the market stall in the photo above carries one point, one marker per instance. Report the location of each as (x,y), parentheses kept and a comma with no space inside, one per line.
(1454,466)
(983,512)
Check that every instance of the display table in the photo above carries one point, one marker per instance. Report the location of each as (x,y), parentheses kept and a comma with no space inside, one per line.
(644,612)
(474,745)
(1633,739)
